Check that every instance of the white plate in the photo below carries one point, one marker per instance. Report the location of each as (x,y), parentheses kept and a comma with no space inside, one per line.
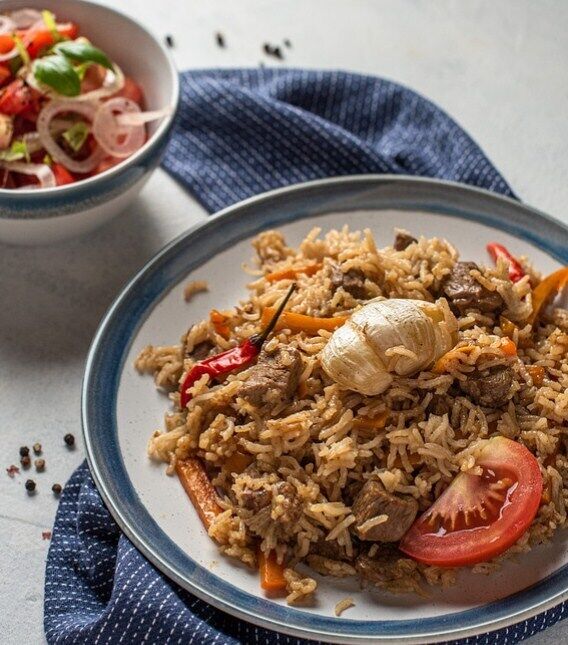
(121,408)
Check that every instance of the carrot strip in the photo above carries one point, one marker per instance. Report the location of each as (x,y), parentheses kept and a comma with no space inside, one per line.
(298,322)
(237,462)
(537,374)
(271,573)
(372,424)
(508,347)
(507,326)
(546,290)
(291,273)
(194,479)
(219,321)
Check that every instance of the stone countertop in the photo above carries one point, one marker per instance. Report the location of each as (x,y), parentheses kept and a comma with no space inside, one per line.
(497,67)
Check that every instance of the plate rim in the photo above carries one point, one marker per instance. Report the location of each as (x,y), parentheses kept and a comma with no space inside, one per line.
(151,551)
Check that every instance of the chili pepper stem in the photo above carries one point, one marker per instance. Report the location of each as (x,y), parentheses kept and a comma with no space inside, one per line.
(258,339)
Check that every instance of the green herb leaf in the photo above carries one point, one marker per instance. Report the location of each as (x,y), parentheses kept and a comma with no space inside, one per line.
(18,150)
(49,20)
(47,160)
(76,135)
(57,72)
(82,69)
(83,52)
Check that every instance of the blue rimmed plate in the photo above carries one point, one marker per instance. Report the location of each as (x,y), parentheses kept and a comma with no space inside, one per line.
(121,408)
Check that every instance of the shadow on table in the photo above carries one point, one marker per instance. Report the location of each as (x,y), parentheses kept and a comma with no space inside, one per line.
(52,298)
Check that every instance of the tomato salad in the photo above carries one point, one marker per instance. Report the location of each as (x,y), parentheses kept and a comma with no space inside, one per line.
(67,111)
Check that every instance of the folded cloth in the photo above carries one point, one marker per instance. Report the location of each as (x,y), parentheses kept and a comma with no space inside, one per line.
(238,133)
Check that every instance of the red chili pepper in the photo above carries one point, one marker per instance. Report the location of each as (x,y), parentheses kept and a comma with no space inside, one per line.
(231,359)
(496,251)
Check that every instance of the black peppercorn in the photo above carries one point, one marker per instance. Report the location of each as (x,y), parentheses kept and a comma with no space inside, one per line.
(24,451)
(56,488)
(30,485)
(169,41)
(220,39)
(39,464)
(69,439)
(25,461)
(287,43)
(37,448)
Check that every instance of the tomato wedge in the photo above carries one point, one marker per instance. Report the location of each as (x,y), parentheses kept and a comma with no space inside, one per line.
(62,175)
(37,40)
(15,98)
(479,517)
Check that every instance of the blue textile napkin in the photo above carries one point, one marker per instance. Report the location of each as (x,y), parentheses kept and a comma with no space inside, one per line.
(239,133)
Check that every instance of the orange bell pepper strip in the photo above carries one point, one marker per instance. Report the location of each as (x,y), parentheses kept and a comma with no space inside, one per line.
(291,273)
(237,462)
(219,321)
(546,290)
(199,489)
(271,573)
(299,322)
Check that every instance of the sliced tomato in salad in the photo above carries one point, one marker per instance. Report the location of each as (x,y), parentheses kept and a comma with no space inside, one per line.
(479,517)
(5,74)
(62,175)
(6,43)
(15,98)
(132,91)
(36,41)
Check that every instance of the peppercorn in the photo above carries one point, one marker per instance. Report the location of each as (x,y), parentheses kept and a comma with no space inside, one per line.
(56,488)
(24,451)
(169,41)
(37,448)
(25,461)
(287,43)
(30,485)
(69,439)
(39,464)
(220,39)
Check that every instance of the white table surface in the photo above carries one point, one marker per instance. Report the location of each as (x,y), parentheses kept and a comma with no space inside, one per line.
(499,67)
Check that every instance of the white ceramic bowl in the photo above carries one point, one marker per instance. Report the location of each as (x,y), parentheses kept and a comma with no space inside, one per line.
(46,215)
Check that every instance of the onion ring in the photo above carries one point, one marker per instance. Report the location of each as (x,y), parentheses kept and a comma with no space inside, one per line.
(44,120)
(140,118)
(26,18)
(7,25)
(42,171)
(114,139)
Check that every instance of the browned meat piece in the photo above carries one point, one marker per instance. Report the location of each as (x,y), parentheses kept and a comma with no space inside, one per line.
(438,406)
(328,549)
(275,376)
(403,240)
(373,500)
(489,388)
(383,567)
(352,281)
(464,292)
(255,500)
(200,351)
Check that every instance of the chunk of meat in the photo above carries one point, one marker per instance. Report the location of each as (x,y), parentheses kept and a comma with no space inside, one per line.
(383,567)
(274,378)
(465,292)
(438,405)
(199,351)
(489,388)
(328,549)
(352,281)
(373,500)
(403,240)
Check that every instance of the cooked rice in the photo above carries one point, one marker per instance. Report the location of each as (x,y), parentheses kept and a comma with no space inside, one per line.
(314,442)
(342,605)
(193,287)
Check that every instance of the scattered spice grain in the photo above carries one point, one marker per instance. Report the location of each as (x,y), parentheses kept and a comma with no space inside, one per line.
(170,41)
(25,461)
(220,40)
(46,535)
(56,488)
(37,448)
(69,439)
(30,485)
(12,470)
(24,451)
(39,464)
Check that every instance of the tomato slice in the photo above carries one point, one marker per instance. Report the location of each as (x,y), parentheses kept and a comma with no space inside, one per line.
(62,175)
(37,41)
(5,74)
(6,43)
(131,90)
(15,98)
(479,517)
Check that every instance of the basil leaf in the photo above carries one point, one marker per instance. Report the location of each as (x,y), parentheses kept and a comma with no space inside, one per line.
(83,51)
(76,135)
(57,72)
(82,69)
(18,150)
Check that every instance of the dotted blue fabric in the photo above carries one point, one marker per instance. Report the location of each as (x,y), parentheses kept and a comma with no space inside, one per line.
(238,133)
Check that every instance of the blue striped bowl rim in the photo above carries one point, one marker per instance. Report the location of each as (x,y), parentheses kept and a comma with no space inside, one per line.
(118,329)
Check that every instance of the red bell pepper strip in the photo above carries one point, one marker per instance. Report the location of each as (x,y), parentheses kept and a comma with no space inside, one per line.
(231,359)
(496,251)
